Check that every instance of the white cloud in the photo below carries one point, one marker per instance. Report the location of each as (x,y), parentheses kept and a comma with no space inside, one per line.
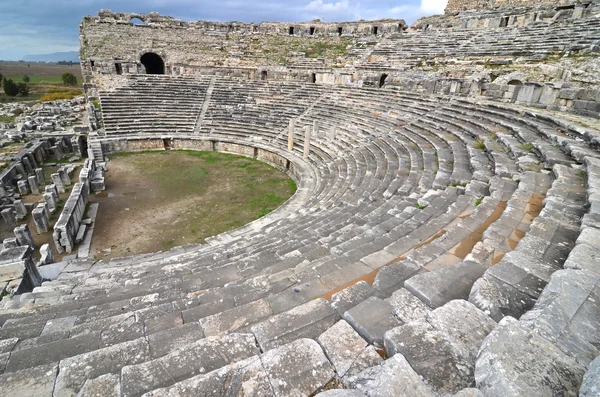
(433,6)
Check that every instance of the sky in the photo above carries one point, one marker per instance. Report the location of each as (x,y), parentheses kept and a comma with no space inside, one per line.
(29,27)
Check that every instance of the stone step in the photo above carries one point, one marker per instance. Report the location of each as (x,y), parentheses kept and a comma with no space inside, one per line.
(442,347)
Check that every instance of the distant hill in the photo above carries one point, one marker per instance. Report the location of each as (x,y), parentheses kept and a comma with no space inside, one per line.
(54,57)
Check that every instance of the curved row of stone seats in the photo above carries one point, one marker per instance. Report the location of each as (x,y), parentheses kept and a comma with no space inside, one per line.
(394,51)
(153,104)
(213,314)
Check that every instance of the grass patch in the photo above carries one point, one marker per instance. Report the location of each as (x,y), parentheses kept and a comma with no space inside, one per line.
(479,144)
(7,119)
(528,147)
(419,206)
(479,201)
(582,174)
(459,185)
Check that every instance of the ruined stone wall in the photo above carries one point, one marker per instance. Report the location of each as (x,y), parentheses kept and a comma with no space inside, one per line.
(111,45)
(462,5)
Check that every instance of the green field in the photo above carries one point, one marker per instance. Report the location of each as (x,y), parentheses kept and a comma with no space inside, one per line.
(43,77)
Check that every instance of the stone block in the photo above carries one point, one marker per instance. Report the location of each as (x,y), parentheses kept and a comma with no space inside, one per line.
(448,283)
(515,361)
(24,237)
(371,319)
(394,377)
(347,350)
(39,174)
(40,219)
(33,185)
(305,321)
(20,209)
(9,218)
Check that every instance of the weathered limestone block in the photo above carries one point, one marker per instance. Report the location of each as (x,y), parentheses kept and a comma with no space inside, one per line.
(13,259)
(299,368)
(9,218)
(58,183)
(347,350)
(23,187)
(37,381)
(394,377)
(64,176)
(515,361)
(108,385)
(441,286)
(44,207)
(10,243)
(371,319)
(51,188)
(20,209)
(46,256)
(407,307)
(33,186)
(244,378)
(40,219)
(27,165)
(75,371)
(23,235)
(351,296)
(567,313)
(431,355)
(305,321)
(591,381)
(39,174)
(200,357)
(50,201)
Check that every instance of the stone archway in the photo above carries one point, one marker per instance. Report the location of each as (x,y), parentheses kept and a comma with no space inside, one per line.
(153,63)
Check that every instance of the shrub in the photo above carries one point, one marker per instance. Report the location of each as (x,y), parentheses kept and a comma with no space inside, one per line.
(60,93)
(23,89)
(10,88)
(26,78)
(69,79)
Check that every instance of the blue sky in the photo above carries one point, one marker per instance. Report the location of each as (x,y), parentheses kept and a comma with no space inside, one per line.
(46,26)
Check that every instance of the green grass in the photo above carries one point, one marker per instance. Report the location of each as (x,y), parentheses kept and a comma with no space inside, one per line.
(37,79)
(582,174)
(419,206)
(528,147)
(7,119)
(479,144)
(479,201)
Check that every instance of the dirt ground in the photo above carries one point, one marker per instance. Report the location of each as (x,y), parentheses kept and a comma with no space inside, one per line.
(156,201)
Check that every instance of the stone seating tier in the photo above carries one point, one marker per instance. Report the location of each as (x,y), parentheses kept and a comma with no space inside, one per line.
(399,199)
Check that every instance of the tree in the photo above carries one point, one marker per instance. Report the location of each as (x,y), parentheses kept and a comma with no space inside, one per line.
(10,88)
(69,79)
(23,89)
(1,77)
(26,78)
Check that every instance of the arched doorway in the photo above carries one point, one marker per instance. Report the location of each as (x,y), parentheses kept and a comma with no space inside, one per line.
(153,63)
(382,80)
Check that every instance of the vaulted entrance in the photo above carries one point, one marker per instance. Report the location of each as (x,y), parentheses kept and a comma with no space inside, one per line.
(153,63)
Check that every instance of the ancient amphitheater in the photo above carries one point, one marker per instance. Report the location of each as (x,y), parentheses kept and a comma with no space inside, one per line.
(444,238)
